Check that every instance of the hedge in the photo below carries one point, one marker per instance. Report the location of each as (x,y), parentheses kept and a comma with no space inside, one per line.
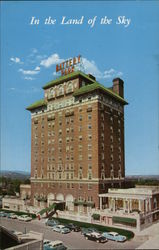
(96,216)
(125,221)
(19,213)
(127,233)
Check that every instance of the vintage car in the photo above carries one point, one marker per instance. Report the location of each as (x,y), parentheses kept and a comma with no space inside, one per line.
(56,245)
(61,229)
(73,227)
(95,237)
(114,236)
(24,218)
(51,222)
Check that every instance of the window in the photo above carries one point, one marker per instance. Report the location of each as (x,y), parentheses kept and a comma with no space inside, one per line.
(60,132)
(111,157)
(79,109)
(89,166)
(111,138)
(102,156)
(89,146)
(102,176)
(102,166)
(89,186)
(80,167)
(111,148)
(67,121)
(67,139)
(80,185)
(90,176)
(80,138)
(80,128)
(61,90)
(71,175)
(80,157)
(89,137)
(60,140)
(89,117)
(68,185)
(89,126)
(80,176)
(67,130)
(67,176)
(71,120)
(59,175)
(80,147)
(69,88)
(80,118)
(89,157)
(111,129)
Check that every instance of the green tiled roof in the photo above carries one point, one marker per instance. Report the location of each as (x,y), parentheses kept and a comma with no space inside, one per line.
(37,104)
(66,77)
(95,86)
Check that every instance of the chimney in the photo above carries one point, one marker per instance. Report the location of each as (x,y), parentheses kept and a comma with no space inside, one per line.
(118,86)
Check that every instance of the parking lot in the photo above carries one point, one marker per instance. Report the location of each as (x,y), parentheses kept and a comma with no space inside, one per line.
(73,240)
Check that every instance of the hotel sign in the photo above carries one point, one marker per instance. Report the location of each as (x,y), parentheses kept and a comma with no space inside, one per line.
(68,66)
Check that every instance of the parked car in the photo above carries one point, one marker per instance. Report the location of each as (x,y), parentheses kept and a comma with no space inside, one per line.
(51,223)
(95,237)
(61,229)
(114,236)
(3,214)
(12,216)
(73,227)
(85,230)
(57,245)
(45,244)
(65,230)
(24,218)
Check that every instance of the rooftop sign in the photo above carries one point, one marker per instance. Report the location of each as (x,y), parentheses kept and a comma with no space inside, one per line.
(68,66)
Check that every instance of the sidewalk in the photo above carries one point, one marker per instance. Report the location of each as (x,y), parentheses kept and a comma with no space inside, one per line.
(152,233)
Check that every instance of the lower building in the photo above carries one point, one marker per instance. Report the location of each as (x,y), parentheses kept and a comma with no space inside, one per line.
(133,207)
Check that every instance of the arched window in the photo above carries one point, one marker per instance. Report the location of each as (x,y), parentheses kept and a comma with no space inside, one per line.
(69,88)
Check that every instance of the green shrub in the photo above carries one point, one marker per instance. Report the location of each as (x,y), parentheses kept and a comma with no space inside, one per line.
(96,216)
(125,221)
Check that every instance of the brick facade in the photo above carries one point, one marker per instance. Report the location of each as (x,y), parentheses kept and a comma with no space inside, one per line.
(77,142)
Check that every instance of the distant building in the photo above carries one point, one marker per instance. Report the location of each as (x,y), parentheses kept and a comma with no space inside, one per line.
(25,191)
(77,142)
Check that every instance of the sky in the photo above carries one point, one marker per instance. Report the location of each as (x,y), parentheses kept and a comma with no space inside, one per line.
(129,50)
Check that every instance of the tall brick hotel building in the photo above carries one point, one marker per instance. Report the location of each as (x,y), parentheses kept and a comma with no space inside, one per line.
(77,141)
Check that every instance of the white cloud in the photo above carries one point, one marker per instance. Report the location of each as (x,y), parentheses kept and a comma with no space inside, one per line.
(53,59)
(16,60)
(29,78)
(30,72)
(37,68)
(92,68)
(111,73)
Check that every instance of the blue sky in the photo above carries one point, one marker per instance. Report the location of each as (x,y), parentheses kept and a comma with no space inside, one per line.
(29,54)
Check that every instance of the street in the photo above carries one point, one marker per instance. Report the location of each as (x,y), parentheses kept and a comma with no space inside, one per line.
(72,240)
